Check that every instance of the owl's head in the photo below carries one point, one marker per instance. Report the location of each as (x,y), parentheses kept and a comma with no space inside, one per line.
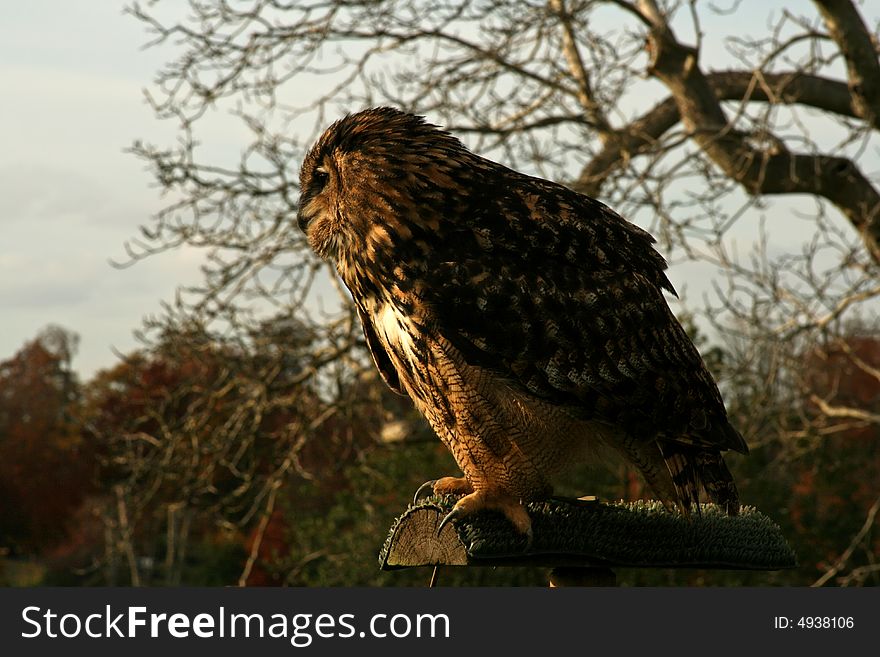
(373,178)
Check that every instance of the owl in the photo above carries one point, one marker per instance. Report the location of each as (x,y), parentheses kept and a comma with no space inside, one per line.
(527,322)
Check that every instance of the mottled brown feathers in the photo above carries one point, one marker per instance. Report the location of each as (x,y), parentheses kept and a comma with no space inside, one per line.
(527,321)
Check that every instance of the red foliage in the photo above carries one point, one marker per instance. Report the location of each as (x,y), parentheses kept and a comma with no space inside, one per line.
(274,545)
(45,466)
(835,488)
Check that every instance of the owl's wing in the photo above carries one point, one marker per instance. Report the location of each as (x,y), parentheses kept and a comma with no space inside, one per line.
(560,297)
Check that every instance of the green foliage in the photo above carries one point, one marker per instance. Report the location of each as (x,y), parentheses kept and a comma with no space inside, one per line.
(339,546)
(333,511)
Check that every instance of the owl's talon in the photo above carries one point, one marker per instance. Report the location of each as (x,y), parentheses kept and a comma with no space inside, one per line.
(452,515)
(427,485)
(511,508)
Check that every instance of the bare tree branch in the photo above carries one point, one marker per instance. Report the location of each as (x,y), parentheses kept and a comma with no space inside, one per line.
(594,112)
(846,555)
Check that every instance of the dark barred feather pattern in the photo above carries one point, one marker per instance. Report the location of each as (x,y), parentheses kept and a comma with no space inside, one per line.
(693,469)
(477,284)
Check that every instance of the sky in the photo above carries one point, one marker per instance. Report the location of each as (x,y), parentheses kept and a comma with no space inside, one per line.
(73,77)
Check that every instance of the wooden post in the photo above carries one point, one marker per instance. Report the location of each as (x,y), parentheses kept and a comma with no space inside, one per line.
(581,542)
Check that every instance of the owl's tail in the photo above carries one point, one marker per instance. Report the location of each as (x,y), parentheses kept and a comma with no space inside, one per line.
(693,468)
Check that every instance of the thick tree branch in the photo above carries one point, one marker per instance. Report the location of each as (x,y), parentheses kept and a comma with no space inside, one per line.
(638,137)
(784,88)
(644,132)
(863,69)
(770,171)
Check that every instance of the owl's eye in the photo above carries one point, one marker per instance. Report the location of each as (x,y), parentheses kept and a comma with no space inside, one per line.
(320,177)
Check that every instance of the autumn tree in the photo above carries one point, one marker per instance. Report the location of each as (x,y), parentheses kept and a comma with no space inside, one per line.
(46,467)
(841,392)
(200,437)
(746,142)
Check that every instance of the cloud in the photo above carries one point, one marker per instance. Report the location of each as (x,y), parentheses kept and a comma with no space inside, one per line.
(60,229)
(70,196)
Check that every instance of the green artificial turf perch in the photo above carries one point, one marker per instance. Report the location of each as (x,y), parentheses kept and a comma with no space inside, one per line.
(574,532)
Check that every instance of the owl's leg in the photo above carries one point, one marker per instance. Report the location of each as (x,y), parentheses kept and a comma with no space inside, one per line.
(444,486)
(481,500)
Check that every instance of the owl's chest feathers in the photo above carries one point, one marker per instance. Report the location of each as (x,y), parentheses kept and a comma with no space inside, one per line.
(425,371)
(494,432)
(398,334)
